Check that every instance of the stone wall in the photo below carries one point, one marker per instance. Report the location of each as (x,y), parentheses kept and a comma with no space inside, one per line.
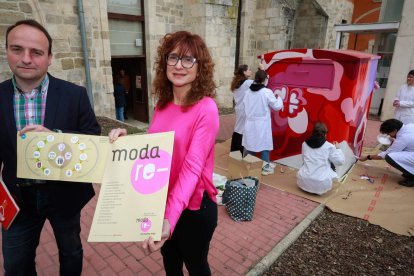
(62,22)
(315,20)
(310,25)
(10,12)
(337,11)
(274,21)
(248,54)
(214,20)
(220,25)
(161,17)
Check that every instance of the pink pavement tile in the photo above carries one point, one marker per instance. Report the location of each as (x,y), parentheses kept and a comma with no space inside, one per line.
(136,251)
(126,272)
(89,271)
(150,264)
(133,264)
(146,272)
(102,249)
(115,263)
(107,272)
(48,271)
(231,254)
(119,250)
(44,260)
(214,252)
(97,262)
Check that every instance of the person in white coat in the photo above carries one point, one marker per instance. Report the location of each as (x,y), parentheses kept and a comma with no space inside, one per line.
(239,86)
(257,104)
(400,154)
(404,101)
(319,160)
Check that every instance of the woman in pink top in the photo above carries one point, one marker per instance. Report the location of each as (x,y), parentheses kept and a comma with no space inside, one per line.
(184,89)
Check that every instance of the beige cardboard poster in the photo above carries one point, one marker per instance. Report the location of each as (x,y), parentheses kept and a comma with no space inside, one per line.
(134,189)
(61,156)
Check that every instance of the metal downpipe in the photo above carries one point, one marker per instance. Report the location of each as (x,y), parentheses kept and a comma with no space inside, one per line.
(85,51)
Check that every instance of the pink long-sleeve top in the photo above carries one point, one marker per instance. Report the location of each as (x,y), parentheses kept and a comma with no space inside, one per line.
(196,128)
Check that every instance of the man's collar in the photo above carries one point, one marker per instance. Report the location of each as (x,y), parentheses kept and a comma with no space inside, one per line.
(42,88)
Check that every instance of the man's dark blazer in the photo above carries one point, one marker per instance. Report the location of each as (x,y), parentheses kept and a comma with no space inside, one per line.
(68,109)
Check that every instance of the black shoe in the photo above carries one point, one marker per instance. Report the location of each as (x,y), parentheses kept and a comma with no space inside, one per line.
(125,117)
(406,182)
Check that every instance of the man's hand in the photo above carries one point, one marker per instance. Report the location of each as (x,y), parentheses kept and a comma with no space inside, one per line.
(149,245)
(1,217)
(363,158)
(35,128)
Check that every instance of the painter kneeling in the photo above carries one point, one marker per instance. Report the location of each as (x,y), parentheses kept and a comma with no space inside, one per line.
(319,160)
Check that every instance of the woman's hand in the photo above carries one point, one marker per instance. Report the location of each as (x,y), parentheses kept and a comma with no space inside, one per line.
(261,66)
(149,245)
(115,133)
(396,103)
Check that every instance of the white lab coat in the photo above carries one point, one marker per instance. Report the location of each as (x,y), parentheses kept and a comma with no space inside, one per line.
(257,135)
(405,112)
(238,96)
(316,175)
(402,148)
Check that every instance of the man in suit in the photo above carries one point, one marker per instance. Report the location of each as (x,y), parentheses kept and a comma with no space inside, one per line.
(33,100)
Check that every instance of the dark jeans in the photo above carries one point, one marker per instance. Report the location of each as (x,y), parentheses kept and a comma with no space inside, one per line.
(190,241)
(22,238)
(236,142)
(394,164)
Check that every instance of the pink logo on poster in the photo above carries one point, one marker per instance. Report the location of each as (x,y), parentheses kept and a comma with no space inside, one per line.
(150,175)
(146,225)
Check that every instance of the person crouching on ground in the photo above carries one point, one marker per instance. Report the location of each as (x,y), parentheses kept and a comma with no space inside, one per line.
(319,160)
(400,154)
(257,135)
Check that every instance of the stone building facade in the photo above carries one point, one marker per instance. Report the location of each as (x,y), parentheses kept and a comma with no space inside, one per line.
(62,21)
(263,26)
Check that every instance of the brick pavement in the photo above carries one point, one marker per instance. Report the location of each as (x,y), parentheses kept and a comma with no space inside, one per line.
(236,246)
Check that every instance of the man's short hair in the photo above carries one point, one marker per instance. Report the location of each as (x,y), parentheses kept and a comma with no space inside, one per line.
(34,24)
(411,73)
(390,125)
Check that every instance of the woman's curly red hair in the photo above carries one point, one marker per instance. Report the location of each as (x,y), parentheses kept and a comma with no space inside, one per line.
(203,84)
